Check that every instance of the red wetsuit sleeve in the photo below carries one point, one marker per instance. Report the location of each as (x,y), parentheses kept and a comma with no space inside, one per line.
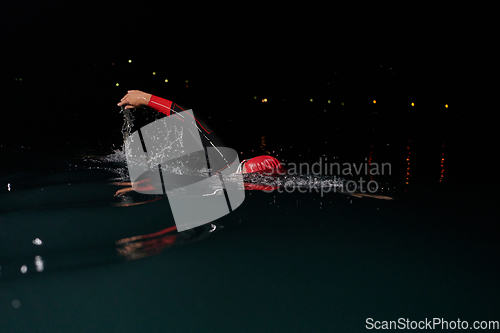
(164,105)
(160,104)
(168,107)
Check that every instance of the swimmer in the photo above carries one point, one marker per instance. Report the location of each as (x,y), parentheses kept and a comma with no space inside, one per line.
(265,164)
(135,98)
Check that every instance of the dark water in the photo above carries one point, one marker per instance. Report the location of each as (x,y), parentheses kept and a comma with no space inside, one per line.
(282,262)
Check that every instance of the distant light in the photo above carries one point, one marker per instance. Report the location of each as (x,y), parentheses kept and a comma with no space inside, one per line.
(264,100)
(374,101)
(117,84)
(446,105)
(130,61)
(187,81)
(310,100)
(343,103)
(412,104)
(39,263)
(166,80)
(255,97)
(24,269)
(329,101)
(37,241)
(154,73)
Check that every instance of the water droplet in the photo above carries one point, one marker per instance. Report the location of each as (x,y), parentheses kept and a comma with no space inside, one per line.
(16,304)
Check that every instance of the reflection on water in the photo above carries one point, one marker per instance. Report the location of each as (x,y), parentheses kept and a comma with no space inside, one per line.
(408,175)
(146,245)
(442,164)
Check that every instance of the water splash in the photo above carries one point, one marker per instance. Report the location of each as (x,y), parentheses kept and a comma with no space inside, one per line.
(128,124)
(296,181)
(115,162)
(171,141)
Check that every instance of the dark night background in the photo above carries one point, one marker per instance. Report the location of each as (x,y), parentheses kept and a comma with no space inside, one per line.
(62,60)
(431,252)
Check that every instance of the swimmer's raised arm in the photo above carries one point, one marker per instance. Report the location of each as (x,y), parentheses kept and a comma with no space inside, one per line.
(135,98)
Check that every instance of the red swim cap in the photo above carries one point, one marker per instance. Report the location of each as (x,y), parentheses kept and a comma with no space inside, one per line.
(264,164)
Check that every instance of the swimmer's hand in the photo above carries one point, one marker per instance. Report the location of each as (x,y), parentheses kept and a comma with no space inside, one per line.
(125,190)
(134,99)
